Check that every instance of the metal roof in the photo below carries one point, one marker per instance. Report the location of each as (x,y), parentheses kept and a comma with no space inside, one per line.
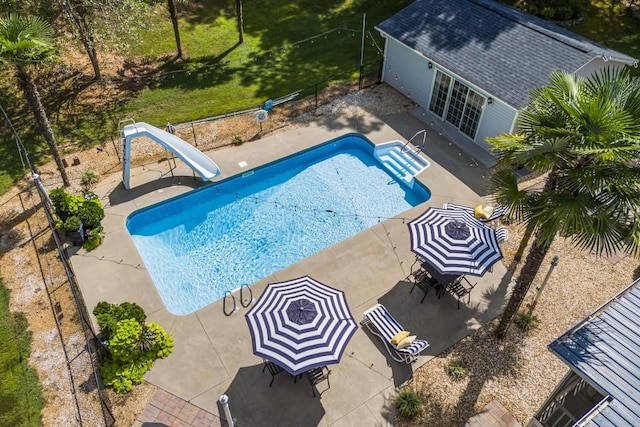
(604,349)
(500,49)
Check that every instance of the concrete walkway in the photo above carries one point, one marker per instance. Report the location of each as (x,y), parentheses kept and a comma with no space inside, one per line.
(212,354)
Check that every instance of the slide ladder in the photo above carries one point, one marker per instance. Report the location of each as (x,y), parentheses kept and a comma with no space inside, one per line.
(190,155)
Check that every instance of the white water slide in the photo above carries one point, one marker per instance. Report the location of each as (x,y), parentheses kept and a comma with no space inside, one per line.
(190,155)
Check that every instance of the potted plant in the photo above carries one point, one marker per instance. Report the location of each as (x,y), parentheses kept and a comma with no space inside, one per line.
(74,228)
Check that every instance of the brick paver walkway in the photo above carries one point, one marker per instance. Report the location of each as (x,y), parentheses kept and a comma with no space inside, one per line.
(493,415)
(166,409)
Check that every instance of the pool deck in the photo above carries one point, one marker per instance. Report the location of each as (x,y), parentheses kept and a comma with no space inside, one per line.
(213,355)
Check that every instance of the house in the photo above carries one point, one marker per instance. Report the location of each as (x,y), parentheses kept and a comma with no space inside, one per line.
(603,351)
(471,64)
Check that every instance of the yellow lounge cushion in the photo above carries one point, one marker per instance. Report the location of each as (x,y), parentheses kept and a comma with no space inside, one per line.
(399,337)
(481,212)
(407,341)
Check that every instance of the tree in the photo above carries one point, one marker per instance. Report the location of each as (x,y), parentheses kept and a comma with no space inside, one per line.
(240,17)
(171,4)
(27,41)
(583,136)
(81,17)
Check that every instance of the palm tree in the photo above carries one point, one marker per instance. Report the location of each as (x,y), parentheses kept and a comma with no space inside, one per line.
(583,136)
(25,41)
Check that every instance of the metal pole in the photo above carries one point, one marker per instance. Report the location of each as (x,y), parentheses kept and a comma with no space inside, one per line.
(364,20)
(539,289)
(224,401)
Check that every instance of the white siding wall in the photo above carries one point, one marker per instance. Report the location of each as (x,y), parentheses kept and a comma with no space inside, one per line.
(414,78)
(407,71)
(497,118)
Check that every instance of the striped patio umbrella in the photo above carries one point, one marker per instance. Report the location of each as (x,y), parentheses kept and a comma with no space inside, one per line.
(300,324)
(454,242)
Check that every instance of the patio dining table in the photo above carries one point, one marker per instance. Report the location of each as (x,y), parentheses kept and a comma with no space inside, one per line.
(443,279)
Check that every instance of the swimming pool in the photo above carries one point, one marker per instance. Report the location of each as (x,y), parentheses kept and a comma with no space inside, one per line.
(198,245)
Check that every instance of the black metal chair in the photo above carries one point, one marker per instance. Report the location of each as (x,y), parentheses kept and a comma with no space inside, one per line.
(273,368)
(461,288)
(424,282)
(316,376)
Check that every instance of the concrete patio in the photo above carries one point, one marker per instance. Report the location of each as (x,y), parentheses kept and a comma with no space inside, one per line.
(212,354)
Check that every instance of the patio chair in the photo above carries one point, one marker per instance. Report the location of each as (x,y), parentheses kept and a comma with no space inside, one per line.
(273,368)
(461,288)
(316,376)
(381,323)
(424,282)
(502,234)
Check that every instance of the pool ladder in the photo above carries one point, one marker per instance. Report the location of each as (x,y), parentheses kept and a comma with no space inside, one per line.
(243,302)
(417,148)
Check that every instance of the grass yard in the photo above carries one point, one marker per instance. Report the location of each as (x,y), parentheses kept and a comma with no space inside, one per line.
(20,392)
(288,46)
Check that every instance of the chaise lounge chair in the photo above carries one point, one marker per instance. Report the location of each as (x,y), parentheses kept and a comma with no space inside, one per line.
(381,323)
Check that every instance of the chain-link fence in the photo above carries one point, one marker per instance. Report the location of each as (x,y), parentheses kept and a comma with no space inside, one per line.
(81,348)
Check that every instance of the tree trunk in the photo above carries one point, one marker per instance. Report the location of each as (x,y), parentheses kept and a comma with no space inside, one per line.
(176,31)
(85,34)
(240,21)
(33,97)
(523,283)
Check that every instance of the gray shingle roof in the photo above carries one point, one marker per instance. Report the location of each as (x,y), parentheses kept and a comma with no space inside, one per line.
(605,350)
(501,50)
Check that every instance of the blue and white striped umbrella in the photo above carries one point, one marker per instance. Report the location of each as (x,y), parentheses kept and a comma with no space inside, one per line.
(300,324)
(454,242)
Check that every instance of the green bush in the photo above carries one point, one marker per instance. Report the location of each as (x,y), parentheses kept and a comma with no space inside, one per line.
(108,315)
(456,370)
(547,13)
(72,223)
(134,347)
(408,403)
(526,322)
(94,239)
(91,212)
(237,140)
(21,399)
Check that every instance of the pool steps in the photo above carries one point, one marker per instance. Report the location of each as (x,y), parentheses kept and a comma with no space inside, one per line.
(403,163)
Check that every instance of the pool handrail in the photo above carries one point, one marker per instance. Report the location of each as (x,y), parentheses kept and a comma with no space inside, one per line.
(417,148)
(224,303)
(242,296)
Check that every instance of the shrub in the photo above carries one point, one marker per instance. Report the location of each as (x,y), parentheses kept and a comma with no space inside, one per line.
(108,315)
(91,212)
(408,403)
(94,239)
(526,322)
(88,178)
(134,347)
(66,204)
(237,140)
(456,369)
(72,223)
(547,13)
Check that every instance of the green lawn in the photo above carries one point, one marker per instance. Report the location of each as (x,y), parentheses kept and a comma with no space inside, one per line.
(288,46)
(20,392)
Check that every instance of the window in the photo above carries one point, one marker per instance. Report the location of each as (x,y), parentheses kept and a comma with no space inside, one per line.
(457,103)
(440,91)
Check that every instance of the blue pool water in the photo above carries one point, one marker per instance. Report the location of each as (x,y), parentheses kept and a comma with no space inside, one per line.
(198,245)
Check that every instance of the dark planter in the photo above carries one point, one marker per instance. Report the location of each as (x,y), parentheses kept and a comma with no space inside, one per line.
(77,236)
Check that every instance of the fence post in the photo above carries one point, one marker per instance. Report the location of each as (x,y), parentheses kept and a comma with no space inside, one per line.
(193,131)
(316,94)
